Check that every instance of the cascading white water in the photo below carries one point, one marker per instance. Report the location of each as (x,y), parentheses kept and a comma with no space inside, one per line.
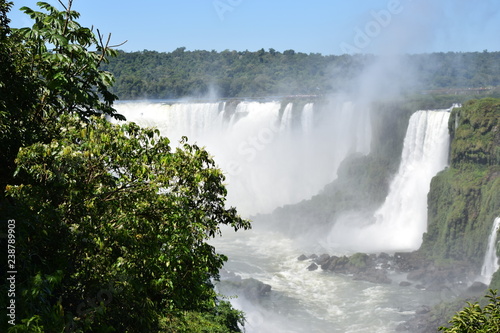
(194,120)
(307,118)
(490,264)
(425,153)
(265,156)
(402,219)
(286,119)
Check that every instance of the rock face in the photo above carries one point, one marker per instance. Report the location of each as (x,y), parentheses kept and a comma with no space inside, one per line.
(251,288)
(312,267)
(423,274)
(423,309)
(464,199)
(374,276)
(360,265)
(477,287)
(302,258)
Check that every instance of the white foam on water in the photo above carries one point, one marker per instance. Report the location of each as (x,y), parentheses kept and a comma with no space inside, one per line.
(310,301)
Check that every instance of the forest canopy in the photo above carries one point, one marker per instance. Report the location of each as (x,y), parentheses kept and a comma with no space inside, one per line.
(151,74)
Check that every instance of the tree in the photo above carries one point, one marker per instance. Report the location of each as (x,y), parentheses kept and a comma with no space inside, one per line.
(48,70)
(476,319)
(111,221)
(17,97)
(72,81)
(118,216)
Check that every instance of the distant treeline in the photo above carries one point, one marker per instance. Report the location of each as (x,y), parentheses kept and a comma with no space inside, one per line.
(151,74)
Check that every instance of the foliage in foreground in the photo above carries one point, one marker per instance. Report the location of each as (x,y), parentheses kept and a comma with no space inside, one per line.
(476,319)
(116,216)
(111,221)
(48,70)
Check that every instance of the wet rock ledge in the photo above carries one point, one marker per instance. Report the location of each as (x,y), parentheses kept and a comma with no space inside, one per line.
(361,266)
(374,268)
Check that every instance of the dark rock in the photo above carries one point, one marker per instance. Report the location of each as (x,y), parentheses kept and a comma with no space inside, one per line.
(312,267)
(437,278)
(422,310)
(302,257)
(420,286)
(405,284)
(374,276)
(477,287)
(313,256)
(384,256)
(359,262)
(329,265)
(322,259)
(254,289)
(418,274)
(339,265)
(407,261)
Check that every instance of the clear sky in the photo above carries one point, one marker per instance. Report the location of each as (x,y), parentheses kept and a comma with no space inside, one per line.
(318,26)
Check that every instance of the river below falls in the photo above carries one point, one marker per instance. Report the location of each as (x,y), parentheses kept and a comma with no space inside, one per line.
(311,301)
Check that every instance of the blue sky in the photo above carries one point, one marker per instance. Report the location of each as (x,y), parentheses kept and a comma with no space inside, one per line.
(318,26)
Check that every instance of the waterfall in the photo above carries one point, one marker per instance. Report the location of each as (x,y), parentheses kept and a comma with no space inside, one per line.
(266,163)
(425,152)
(490,264)
(194,120)
(402,219)
(307,118)
(286,119)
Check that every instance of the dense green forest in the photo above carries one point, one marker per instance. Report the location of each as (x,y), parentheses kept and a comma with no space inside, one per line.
(180,73)
(104,226)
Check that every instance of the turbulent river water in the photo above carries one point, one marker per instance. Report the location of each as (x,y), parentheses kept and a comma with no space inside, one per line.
(275,153)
